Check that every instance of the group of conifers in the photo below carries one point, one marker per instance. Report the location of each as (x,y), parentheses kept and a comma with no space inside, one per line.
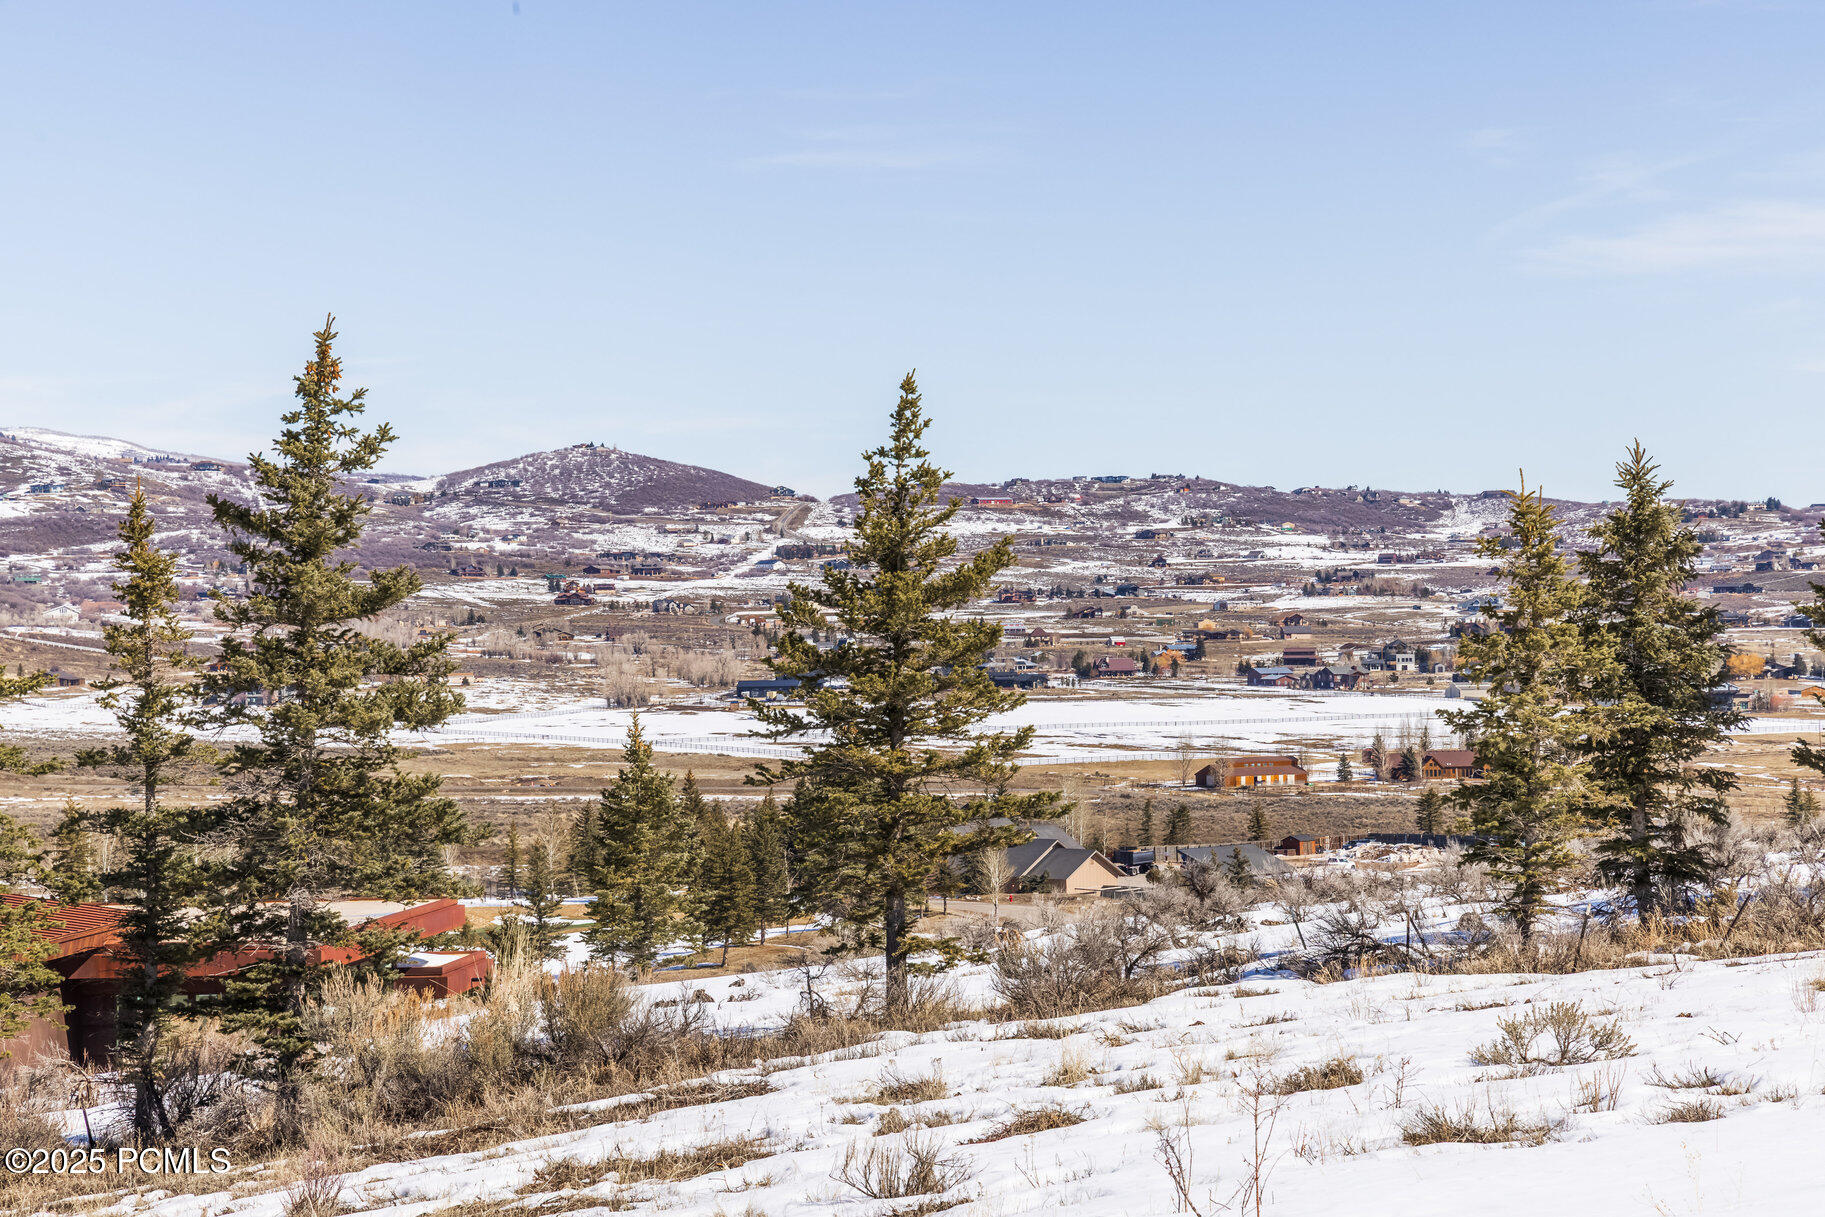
(1601,678)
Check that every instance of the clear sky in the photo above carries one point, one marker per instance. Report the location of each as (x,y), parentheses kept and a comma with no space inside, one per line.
(1404,244)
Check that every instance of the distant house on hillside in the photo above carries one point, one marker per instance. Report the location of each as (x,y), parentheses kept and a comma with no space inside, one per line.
(469,570)
(1116,665)
(1449,763)
(205,467)
(573,599)
(1273,677)
(991,501)
(1248,771)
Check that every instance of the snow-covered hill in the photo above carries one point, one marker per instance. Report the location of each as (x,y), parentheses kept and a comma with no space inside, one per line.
(594,475)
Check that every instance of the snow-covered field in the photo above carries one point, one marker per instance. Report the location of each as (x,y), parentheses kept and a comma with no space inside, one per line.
(1175,1072)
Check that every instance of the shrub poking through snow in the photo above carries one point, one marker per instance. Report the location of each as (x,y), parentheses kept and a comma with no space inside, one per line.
(1437,1124)
(896,1087)
(1563,1033)
(1032,1120)
(1337,1072)
(888,1171)
(1690,1111)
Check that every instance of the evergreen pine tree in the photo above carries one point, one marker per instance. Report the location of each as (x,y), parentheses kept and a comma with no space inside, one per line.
(1535,794)
(1378,757)
(1178,825)
(1653,714)
(542,902)
(319,807)
(1236,871)
(725,885)
(1428,816)
(1257,824)
(69,866)
(1146,824)
(873,818)
(764,836)
(510,879)
(644,846)
(1410,765)
(155,871)
(1800,804)
(1344,773)
(28,989)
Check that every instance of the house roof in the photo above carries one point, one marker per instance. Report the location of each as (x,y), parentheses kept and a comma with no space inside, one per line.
(71,928)
(1452,758)
(1258,859)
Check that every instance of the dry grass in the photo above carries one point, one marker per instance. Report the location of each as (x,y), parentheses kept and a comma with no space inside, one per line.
(1073,1069)
(1690,1111)
(1338,1072)
(896,1087)
(882,1170)
(1493,1125)
(1032,1120)
(665,1166)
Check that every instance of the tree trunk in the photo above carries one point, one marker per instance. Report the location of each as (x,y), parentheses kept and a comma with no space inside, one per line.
(1642,881)
(893,926)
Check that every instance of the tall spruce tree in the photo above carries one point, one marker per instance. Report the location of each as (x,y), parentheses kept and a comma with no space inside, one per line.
(1257,824)
(156,870)
(1178,825)
(643,846)
(69,866)
(764,836)
(1808,755)
(1343,768)
(319,806)
(511,869)
(725,884)
(1429,813)
(1146,824)
(542,902)
(900,695)
(1653,712)
(1534,798)
(28,989)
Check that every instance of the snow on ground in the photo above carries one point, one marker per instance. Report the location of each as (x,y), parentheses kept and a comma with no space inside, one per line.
(1183,1061)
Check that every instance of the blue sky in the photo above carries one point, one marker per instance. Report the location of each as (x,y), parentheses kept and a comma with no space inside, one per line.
(1404,244)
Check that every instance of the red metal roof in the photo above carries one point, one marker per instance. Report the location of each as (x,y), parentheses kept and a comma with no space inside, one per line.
(73,928)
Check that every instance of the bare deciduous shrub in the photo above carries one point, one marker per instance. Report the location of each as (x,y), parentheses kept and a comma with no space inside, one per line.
(1601,1091)
(1562,1033)
(1435,1124)
(1333,1074)
(317,1189)
(886,1170)
(1693,1077)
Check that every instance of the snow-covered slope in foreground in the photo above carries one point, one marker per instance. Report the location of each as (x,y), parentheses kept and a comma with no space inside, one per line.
(1754,1026)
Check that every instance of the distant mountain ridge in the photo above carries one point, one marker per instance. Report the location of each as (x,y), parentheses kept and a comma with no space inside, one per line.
(600,476)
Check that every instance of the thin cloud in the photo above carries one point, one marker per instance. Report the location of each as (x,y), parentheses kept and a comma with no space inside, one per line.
(1618,180)
(872,148)
(1769,235)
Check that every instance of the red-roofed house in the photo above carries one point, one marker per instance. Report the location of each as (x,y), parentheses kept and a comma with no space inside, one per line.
(84,942)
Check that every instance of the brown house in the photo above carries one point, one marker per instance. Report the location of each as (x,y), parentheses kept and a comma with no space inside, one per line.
(1117,665)
(1303,846)
(1449,763)
(85,951)
(1253,771)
